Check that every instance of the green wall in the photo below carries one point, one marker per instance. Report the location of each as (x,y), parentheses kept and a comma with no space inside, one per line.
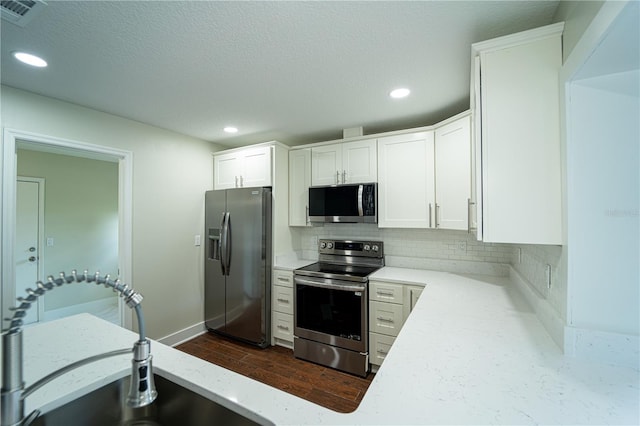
(81,215)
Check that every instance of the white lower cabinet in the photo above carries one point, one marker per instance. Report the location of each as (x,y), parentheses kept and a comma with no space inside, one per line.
(389,306)
(379,346)
(282,300)
(385,318)
(282,329)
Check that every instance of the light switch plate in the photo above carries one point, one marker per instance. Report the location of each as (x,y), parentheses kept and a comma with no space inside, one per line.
(197,241)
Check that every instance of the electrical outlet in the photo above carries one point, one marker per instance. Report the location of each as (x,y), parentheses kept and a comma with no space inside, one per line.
(461,246)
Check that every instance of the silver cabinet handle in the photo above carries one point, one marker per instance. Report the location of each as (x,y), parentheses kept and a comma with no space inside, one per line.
(380,351)
(429,215)
(307,215)
(283,300)
(285,279)
(437,215)
(385,293)
(236,181)
(337,177)
(344,176)
(241,182)
(383,319)
(282,327)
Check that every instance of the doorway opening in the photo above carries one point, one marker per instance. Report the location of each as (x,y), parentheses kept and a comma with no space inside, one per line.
(84,224)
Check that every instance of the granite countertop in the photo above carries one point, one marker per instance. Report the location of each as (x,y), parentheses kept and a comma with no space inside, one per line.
(472,352)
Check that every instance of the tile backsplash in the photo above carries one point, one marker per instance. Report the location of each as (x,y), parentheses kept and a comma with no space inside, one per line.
(454,251)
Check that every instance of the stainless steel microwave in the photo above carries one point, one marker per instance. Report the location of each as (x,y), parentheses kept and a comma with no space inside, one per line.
(350,203)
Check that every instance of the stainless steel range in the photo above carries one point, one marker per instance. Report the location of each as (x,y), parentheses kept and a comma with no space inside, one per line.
(332,307)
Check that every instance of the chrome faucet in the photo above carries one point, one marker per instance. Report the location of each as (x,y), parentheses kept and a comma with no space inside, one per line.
(142,391)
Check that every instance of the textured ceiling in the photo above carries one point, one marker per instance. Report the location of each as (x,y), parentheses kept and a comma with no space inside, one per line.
(297,72)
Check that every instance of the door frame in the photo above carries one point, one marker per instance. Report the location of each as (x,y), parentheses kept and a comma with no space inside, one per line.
(12,139)
(40,271)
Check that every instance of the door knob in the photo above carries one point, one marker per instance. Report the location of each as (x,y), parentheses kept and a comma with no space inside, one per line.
(32,249)
(32,259)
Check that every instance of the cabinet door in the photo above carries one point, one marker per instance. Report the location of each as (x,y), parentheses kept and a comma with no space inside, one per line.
(299,182)
(521,165)
(283,278)
(282,328)
(379,347)
(453,175)
(385,318)
(282,299)
(386,292)
(326,165)
(411,296)
(256,167)
(359,162)
(227,169)
(406,193)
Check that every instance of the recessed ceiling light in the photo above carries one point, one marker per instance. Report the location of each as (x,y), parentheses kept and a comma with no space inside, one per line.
(400,93)
(231,129)
(30,59)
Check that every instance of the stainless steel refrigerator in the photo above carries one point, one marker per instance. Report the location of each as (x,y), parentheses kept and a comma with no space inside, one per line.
(238,264)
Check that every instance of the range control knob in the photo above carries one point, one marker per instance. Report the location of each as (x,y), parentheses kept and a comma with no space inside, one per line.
(323,245)
(329,245)
(367,247)
(374,247)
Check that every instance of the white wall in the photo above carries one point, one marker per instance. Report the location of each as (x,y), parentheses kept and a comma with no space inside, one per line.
(603,175)
(601,78)
(171,172)
(576,15)
(81,215)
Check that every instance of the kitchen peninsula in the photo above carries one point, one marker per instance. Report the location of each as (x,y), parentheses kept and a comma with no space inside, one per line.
(471,352)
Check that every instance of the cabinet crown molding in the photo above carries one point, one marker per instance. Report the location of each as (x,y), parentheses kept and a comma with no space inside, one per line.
(510,40)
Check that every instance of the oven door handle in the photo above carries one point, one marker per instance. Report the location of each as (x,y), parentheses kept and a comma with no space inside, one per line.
(313,283)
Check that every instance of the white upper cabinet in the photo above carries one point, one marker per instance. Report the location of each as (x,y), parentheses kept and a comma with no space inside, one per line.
(453,174)
(515,97)
(243,168)
(299,182)
(406,188)
(351,162)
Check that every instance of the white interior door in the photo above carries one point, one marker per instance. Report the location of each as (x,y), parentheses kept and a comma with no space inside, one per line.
(27,250)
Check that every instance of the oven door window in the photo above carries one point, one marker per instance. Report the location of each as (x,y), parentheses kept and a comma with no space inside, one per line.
(330,311)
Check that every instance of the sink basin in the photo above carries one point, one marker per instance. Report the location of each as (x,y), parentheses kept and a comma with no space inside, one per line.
(175,405)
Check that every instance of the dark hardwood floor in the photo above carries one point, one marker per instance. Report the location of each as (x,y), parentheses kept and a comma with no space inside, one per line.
(277,367)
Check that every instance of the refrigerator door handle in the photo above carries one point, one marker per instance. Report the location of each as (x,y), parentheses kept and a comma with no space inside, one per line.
(224,243)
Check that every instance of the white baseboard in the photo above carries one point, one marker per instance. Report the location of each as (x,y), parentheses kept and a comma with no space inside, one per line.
(602,346)
(547,315)
(92,307)
(183,335)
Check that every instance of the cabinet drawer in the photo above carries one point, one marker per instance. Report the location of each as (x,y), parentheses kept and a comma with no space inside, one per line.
(282,326)
(283,278)
(282,299)
(385,292)
(385,318)
(379,346)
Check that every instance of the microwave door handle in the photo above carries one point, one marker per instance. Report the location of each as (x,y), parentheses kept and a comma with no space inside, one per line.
(360,209)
